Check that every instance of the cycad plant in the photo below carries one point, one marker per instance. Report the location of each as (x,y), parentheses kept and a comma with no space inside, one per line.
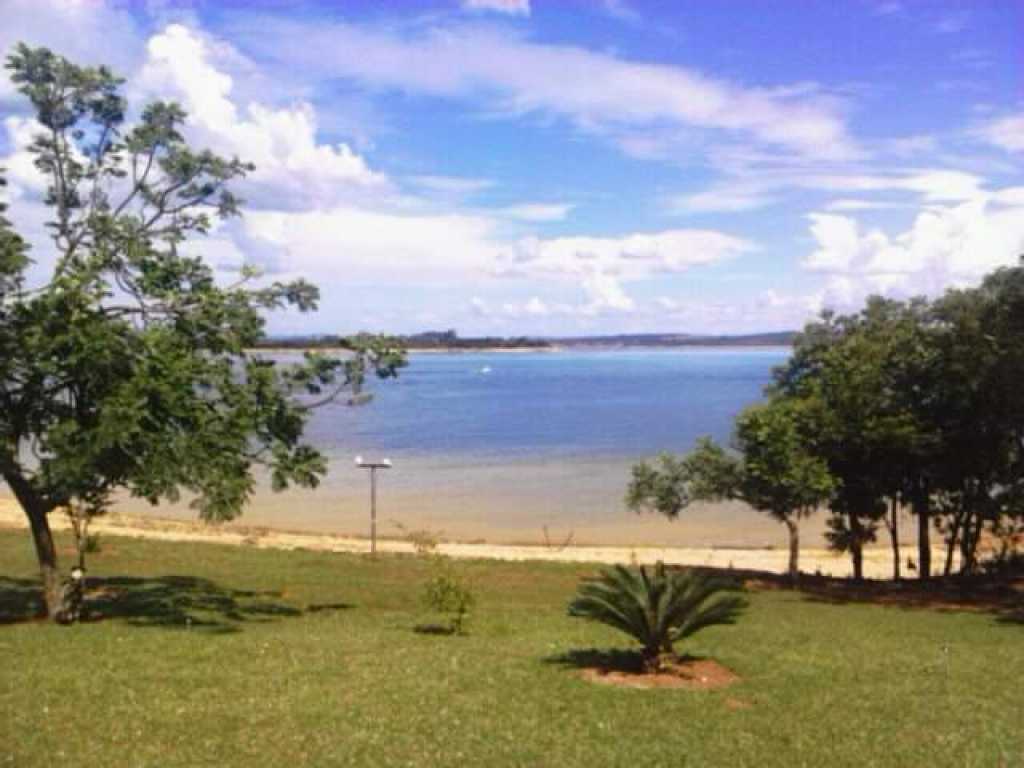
(657,609)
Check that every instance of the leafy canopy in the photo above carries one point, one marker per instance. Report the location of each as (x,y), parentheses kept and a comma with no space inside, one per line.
(130,366)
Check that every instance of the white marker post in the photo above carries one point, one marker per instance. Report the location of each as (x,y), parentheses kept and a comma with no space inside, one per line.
(373,466)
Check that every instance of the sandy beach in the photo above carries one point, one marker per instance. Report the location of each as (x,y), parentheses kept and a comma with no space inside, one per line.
(878,563)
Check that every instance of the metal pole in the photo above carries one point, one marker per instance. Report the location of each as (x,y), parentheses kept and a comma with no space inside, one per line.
(373,466)
(373,511)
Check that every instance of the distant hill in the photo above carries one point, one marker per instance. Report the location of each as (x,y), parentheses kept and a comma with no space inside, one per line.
(451,340)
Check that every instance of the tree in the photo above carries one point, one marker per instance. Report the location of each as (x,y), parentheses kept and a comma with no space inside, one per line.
(656,609)
(865,379)
(979,408)
(773,473)
(778,475)
(129,368)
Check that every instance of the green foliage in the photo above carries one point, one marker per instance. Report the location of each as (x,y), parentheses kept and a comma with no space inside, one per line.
(424,541)
(779,474)
(672,483)
(657,609)
(448,593)
(775,472)
(913,401)
(92,543)
(130,368)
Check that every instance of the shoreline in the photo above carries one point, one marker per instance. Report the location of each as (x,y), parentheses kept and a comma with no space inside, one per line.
(877,561)
(553,348)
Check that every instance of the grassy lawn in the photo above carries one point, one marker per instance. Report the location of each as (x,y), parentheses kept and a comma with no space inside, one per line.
(214,655)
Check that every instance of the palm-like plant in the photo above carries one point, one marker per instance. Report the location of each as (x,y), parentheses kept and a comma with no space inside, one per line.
(656,609)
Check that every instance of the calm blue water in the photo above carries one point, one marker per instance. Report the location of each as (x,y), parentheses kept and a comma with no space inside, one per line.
(510,446)
(513,406)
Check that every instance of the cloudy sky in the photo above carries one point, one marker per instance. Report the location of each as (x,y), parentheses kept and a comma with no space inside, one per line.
(570,167)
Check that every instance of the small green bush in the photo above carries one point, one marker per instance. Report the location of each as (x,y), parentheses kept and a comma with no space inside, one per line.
(657,608)
(447,592)
(424,541)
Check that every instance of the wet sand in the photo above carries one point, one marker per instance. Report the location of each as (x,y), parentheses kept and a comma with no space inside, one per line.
(508,502)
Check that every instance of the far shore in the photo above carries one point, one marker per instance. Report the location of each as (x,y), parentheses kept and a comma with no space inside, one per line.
(877,561)
(553,348)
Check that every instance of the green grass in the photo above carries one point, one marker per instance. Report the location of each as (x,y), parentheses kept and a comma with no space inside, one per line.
(226,656)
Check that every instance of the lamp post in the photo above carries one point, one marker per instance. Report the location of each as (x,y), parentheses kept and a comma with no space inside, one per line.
(373,466)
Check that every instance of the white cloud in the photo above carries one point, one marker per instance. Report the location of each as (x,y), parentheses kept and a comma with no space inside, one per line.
(934,185)
(605,293)
(451,185)
(349,243)
(838,243)
(20,169)
(479,307)
(282,143)
(510,7)
(753,188)
(1006,132)
(908,146)
(1012,196)
(608,93)
(601,264)
(537,212)
(630,257)
(767,311)
(852,204)
(725,199)
(946,246)
(536,307)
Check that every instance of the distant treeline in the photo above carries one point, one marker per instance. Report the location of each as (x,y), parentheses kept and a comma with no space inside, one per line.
(426,340)
(451,340)
(780,338)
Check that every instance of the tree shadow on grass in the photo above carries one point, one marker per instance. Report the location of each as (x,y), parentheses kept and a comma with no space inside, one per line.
(169,602)
(328,607)
(998,596)
(1013,617)
(605,660)
(434,629)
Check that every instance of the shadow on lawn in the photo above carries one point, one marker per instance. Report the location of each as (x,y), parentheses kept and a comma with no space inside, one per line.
(1002,597)
(605,660)
(434,629)
(170,602)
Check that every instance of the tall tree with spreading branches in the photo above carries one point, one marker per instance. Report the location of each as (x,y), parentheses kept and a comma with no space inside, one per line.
(129,369)
(773,471)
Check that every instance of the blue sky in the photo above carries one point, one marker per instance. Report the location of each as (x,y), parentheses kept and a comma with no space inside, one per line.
(558,167)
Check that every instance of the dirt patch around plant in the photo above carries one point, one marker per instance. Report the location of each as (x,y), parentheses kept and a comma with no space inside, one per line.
(689,674)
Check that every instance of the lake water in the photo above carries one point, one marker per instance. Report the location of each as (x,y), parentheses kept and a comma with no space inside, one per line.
(500,446)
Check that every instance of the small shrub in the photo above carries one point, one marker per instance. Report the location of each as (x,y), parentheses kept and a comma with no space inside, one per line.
(92,543)
(656,609)
(447,592)
(424,541)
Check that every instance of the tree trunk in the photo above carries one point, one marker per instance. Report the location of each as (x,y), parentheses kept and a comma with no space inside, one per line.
(969,544)
(857,547)
(794,549)
(46,553)
(894,535)
(954,537)
(922,508)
